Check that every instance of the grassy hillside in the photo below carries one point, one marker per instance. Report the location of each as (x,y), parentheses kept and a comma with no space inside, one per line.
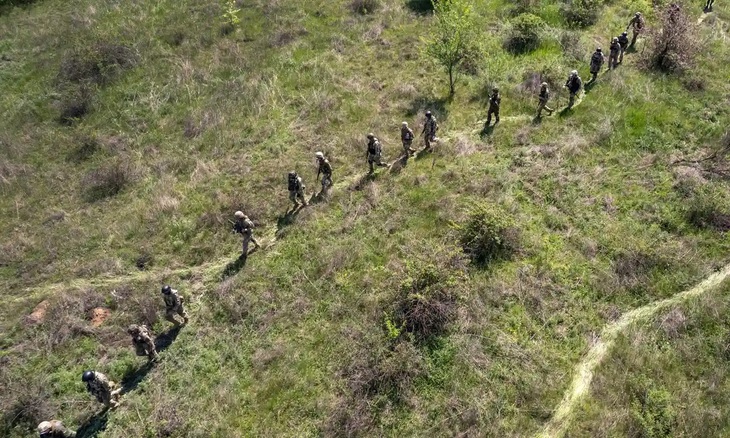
(132,130)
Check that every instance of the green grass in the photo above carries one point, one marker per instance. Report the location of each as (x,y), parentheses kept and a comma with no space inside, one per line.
(208,124)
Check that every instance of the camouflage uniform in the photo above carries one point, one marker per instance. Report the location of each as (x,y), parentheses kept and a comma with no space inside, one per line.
(637,26)
(615,50)
(494,100)
(596,63)
(143,343)
(374,154)
(103,389)
(574,84)
(325,168)
(406,136)
(544,97)
(623,41)
(430,126)
(296,189)
(244,226)
(54,429)
(174,306)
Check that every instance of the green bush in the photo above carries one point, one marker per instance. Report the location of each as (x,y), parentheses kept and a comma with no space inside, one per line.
(365,6)
(489,234)
(652,412)
(581,13)
(525,34)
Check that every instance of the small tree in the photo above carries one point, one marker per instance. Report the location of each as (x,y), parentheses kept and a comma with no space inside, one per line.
(455,37)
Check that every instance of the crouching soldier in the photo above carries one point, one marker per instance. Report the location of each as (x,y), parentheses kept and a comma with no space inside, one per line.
(54,429)
(102,388)
(174,305)
(244,227)
(143,343)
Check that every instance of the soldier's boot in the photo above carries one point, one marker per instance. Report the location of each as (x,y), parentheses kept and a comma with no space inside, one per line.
(256,244)
(172,319)
(186,319)
(153,356)
(496,118)
(372,169)
(489,118)
(595,76)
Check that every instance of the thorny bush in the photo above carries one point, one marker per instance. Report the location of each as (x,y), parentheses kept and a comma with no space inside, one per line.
(489,234)
(673,42)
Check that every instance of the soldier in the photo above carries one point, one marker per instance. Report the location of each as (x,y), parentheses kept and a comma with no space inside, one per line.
(596,63)
(430,126)
(244,227)
(374,153)
(544,97)
(296,189)
(615,49)
(623,41)
(173,305)
(637,26)
(406,136)
(574,84)
(325,168)
(102,388)
(494,100)
(142,341)
(54,429)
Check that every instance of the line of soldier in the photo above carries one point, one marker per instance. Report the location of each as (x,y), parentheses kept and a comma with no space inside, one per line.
(107,392)
(104,389)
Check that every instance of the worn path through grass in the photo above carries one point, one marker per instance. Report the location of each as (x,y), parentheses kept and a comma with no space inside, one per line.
(583,375)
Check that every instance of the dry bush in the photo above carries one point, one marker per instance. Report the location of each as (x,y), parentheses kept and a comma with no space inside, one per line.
(364,6)
(25,403)
(98,63)
(707,210)
(673,42)
(673,323)
(633,267)
(75,103)
(426,302)
(107,180)
(65,317)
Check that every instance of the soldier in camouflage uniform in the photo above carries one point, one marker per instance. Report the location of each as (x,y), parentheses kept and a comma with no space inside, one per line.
(615,50)
(244,227)
(623,41)
(596,63)
(102,388)
(142,340)
(325,169)
(406,136)
(637,26)
(574,84)
(173,305)
(544,97)
(375,153)
(430,126)
(54,429)
(296,188)
(494,101)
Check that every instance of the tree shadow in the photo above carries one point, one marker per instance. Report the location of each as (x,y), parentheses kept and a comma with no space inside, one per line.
(420,6)
(95,424)
(235,266)
(437,106)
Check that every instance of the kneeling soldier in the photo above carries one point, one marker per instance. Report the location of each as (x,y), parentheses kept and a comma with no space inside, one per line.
(102,388)
(173,305)
(142,340)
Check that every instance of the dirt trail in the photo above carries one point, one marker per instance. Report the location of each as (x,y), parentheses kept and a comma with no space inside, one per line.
(583,375)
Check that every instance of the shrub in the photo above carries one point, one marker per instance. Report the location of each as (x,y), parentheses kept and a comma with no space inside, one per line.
(489,234)
(581,13)
(673,43)
(365,6)
(107,181)
(425,304)
(75,103)
(652,413)
(525,34)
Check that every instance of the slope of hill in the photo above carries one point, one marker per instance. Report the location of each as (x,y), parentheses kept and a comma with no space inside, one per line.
(131,131)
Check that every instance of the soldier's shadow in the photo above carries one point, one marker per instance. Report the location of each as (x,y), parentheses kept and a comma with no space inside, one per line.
(589,86)
(95,424)
(234,267)
(286,219)
(487,130)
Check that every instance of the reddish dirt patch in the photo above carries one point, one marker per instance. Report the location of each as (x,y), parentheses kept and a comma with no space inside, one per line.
(38,314)
(99,315)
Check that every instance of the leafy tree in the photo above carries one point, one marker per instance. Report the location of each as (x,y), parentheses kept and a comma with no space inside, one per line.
(455,37)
